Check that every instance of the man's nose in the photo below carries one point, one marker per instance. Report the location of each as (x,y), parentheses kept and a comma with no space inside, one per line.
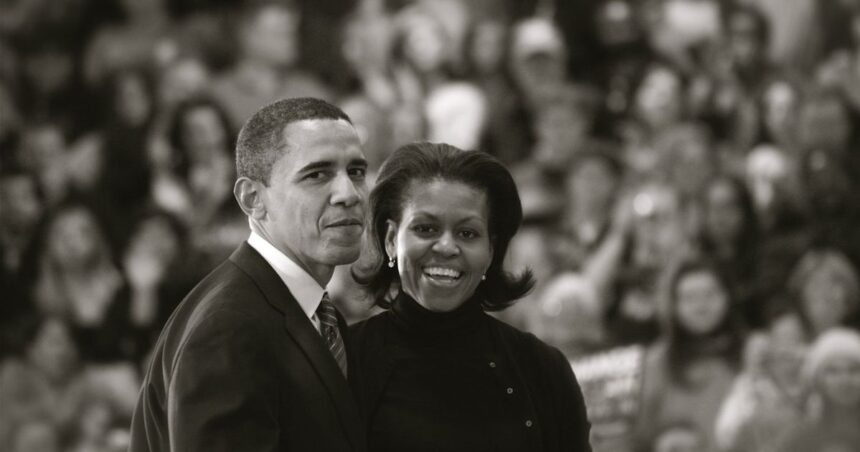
(345,191)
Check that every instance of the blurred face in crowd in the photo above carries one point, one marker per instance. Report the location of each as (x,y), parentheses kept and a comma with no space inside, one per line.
(839,380)
(182,80)
(678,439)
(156,236)
(488,46)
(74,239)
(692,165)
(780,109)
(827,183)
(315,197)
(561,129)
(616,23)
(724,217)
(132,102)
(442,243)
(592,184)
(271,36)
(826,299)
(825,124)
(659,98)
(745,46)
(786,348)
(21,205)
(142,9)
(53,351)
(203,133)
(702,302)
(425,44)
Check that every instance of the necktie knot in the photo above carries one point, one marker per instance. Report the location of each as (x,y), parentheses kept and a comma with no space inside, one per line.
(330,332)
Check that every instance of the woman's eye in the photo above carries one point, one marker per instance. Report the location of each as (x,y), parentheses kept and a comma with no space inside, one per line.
(423,229)
(469,234)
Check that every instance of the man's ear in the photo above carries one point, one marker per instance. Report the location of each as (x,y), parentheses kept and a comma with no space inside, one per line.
(249,195)
(390,236)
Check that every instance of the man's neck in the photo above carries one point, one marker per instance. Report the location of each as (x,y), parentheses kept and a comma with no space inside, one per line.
(320,273)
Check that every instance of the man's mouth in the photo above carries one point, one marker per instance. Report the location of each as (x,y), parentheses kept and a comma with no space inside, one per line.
(346,222)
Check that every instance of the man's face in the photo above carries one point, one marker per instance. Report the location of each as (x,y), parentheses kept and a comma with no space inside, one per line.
(316,194)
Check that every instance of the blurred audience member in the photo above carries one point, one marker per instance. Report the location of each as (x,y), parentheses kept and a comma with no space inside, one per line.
(690,369)
(827,289)
(730,236)
(832,369)
(42,384)
(266,67)
(766,401)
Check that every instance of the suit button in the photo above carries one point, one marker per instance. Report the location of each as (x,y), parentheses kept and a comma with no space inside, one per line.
(529,423)
(510,390)
(493,364)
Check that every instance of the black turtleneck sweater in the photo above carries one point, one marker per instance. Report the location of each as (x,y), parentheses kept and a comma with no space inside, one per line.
(449,382)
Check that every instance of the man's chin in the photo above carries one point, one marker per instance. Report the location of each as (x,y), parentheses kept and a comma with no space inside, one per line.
(342,255)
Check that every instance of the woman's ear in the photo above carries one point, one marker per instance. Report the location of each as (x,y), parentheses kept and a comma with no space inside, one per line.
(390,238)
(249,196)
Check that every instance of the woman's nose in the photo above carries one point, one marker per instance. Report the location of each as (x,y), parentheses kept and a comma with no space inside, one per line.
(446,245)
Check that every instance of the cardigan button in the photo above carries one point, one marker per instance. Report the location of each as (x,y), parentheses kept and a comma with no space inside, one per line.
(510,390)
(493,364)
(529,423)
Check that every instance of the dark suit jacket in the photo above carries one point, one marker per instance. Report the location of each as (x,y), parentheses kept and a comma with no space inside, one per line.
(239,367)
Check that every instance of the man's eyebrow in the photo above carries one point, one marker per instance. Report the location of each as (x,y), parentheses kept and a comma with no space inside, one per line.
(318,165)
(358,162)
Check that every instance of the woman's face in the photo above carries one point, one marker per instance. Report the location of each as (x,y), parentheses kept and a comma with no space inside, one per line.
(442,243)
(74,238)
(724,217)
(839,381)
(658,100)
(702,302)
(203,132)
(825,300)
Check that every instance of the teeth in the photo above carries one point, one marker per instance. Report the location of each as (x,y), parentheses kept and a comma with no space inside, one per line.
(442,271)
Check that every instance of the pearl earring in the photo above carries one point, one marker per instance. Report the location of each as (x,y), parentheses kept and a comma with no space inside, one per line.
(483,277)
(391,262)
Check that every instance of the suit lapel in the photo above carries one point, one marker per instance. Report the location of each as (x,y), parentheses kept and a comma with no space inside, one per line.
(303,333)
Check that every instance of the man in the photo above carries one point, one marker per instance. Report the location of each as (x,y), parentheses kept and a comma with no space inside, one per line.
(253,359)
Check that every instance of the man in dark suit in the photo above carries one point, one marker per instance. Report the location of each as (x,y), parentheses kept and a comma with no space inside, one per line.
(253,359)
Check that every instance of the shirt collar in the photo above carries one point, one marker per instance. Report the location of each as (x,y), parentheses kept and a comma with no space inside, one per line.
(302,285)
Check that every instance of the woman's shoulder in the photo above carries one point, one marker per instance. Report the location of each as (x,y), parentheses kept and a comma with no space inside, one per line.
(526,345)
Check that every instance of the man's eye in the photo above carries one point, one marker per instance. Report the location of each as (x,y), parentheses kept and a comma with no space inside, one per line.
(358,172)
(316,175)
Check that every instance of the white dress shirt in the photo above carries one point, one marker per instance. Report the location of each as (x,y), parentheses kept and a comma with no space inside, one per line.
(303,286)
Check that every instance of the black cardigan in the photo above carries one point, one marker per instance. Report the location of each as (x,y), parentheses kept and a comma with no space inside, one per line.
(549,398)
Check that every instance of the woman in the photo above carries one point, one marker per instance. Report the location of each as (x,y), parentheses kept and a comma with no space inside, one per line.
(688,372)
(435,372)
(826,288)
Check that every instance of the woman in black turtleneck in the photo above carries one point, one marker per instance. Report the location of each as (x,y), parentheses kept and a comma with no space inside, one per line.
(434,372)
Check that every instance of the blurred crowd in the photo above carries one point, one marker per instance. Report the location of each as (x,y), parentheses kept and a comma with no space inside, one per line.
(689,171)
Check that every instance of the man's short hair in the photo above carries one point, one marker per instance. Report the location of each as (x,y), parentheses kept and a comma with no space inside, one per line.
(262,140)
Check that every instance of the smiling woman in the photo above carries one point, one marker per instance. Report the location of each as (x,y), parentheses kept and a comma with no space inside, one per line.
(435,372)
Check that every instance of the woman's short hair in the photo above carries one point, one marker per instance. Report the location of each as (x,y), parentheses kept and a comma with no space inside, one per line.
(423,162)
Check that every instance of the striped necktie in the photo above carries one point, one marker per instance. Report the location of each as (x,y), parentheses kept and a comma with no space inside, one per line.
(330,332)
